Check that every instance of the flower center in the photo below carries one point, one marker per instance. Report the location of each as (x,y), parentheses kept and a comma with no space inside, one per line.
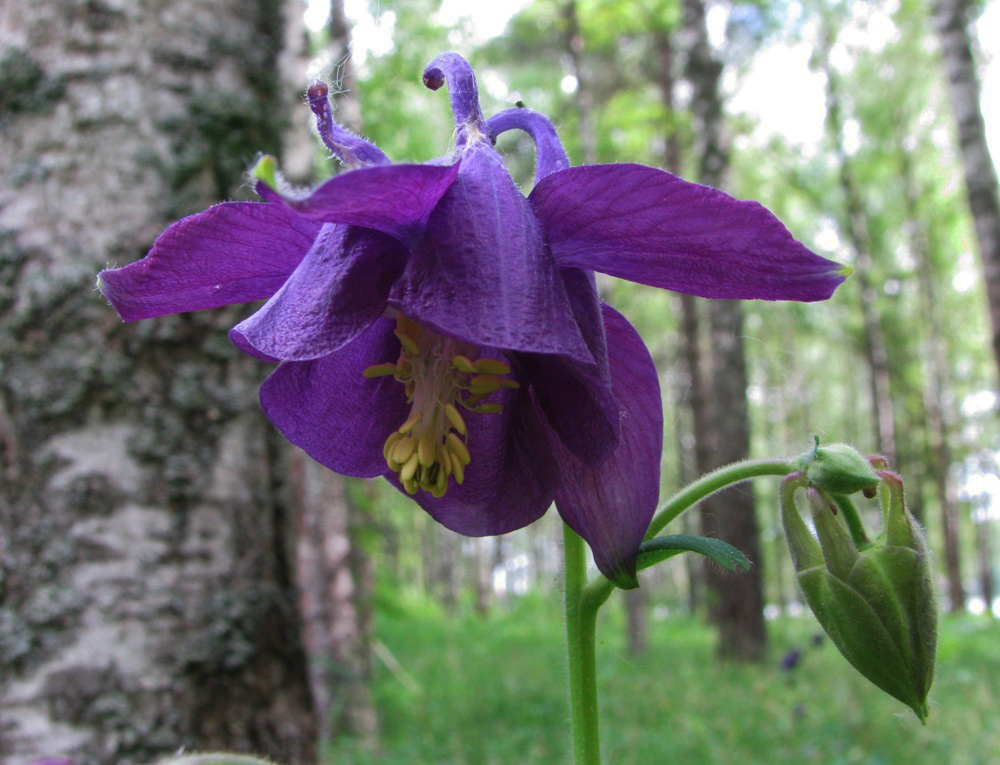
(440,376)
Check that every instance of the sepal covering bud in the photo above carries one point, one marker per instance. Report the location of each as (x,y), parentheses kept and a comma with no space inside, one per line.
(875,602)
(837,468)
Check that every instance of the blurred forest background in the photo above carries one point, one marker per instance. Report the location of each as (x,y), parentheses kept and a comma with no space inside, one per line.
(172,574)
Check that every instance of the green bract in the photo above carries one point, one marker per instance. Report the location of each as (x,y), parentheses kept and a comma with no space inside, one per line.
(875,602)
(838,469)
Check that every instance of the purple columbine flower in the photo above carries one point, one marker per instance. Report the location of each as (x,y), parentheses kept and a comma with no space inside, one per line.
(436,327)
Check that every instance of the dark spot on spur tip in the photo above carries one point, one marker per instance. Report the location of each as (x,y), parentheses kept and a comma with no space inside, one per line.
(317,89)
(433,78)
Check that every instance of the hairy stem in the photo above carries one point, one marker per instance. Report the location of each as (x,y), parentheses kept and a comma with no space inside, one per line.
(581,624)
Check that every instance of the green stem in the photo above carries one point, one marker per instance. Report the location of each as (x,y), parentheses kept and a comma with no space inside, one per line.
(581,627)
(600,589)
(712,482)
(853,519)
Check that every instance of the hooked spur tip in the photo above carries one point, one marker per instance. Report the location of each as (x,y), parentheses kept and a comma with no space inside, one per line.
(317,94)
(433,78)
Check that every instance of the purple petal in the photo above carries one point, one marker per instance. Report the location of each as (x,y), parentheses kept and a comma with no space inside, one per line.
(463,93)
(355,151)
(234,252)
(482,272)
(337,291)
(242,344)
(643,224)
(576,398)
(612,504)
(511,480)
(329,408)
(549,152)
(394,199)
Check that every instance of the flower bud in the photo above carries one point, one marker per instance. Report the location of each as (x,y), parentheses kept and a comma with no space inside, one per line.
(875,602)
(837,469)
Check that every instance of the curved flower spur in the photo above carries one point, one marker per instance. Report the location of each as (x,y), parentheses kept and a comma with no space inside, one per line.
(436,327)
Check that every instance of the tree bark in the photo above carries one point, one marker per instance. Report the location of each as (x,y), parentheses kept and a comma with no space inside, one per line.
(690,394)
(951,19)
(334,601)
(984,555)
(336,575)
(147,598)
(723,433)
(939,457)
(584,96)
(855,226)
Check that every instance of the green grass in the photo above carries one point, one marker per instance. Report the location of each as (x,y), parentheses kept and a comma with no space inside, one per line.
(484,691)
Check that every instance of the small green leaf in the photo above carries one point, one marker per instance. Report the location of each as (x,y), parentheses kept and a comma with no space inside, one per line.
(655,551)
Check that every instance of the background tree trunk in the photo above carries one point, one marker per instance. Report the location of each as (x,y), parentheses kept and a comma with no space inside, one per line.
(936,392)
(584,97)
(335,573)
(722,430)
(147,598)
(854,223)
(951,19)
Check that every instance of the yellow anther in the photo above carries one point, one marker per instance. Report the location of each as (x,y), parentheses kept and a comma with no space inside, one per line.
(458,449)
(439,378)
(455,418)
(409,469)
(463,363)
(444,459)
(380,370)
(391,442)
(492,367)
(491,383)
(408,342)
(483,388)
(425,452)
(490,408)
(407,426)
(402,451)
(484,380)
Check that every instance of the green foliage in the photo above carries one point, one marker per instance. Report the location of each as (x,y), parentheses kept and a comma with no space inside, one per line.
(492,691)
(660,549)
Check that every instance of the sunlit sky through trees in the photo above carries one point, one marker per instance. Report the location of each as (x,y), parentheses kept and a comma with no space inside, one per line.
(775,89)
(794,111)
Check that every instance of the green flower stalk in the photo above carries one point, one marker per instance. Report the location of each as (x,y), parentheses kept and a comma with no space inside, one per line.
(874,599)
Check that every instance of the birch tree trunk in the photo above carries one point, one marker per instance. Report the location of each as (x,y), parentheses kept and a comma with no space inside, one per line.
(936,390)
(690,394)
(146,592)
(335,574)
(855,225)
(951,19)
(723,433)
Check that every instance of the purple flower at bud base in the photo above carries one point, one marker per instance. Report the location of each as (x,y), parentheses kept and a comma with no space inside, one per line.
(875,601)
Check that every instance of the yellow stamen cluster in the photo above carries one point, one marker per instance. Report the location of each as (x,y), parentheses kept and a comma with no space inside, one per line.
(439,376)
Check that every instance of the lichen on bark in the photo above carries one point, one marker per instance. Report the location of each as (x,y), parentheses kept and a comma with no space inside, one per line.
(146,597)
